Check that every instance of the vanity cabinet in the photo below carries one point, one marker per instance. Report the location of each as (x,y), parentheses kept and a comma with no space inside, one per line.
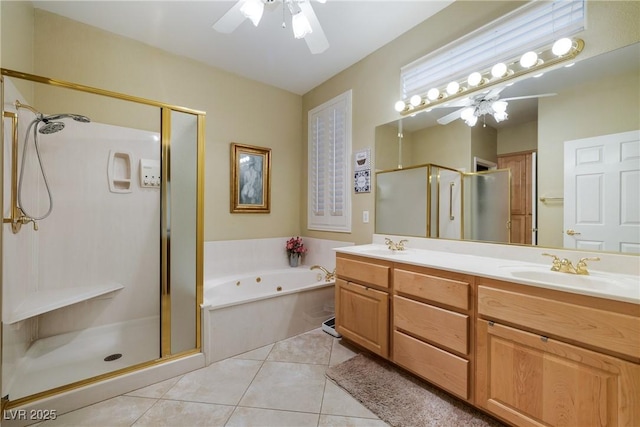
(362,302)
(551,358)
(432,312)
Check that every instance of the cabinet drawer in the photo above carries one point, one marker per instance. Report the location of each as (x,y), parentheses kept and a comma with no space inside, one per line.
(607,330)
(451,292)
(439,326)
(437,366)
(363,272)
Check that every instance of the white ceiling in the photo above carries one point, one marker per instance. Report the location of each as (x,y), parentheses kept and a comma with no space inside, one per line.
(268,53)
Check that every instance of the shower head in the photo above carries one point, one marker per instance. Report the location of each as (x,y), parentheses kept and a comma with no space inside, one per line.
(51,127)
(76,117)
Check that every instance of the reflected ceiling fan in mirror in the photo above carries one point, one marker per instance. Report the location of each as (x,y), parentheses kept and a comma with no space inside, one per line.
(304,21)
(480,105)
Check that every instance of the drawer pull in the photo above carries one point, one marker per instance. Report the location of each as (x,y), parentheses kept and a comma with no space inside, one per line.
(543,338)
(491,323)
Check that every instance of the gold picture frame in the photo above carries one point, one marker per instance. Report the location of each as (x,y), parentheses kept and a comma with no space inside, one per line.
(250,179)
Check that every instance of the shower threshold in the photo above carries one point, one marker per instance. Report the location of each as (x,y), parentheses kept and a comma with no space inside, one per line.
(63,359)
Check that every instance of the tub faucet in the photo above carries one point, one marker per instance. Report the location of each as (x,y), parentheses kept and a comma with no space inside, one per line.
(395,246)
(328,275)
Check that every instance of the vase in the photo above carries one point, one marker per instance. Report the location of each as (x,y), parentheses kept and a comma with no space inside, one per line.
(294,259)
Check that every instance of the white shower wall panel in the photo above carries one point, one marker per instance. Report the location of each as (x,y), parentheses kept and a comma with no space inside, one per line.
(95,236)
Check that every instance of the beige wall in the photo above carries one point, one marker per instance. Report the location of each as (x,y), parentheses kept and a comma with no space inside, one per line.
(375,79)
(92,57)
(448,146)
(521,137)
(484,141)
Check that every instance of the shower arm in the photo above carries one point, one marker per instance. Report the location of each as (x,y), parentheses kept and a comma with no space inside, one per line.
(17,218)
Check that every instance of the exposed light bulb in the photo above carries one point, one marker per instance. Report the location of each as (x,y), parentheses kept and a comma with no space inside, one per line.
(474,79)
(529,59)
(452,88)
(562,46)
(399,106)
(415,100)
(301,26)
(253,10)
(433,94)
(499,70)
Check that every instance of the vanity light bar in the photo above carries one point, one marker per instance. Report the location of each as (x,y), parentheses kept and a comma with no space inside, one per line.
(511,70)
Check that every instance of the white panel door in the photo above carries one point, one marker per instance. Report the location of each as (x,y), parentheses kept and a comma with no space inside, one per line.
(602,193)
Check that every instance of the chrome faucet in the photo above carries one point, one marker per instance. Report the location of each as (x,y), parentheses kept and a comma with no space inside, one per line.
(395,246)
(328,275)
(565,266)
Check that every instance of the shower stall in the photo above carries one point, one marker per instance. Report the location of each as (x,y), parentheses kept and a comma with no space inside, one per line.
(102,238)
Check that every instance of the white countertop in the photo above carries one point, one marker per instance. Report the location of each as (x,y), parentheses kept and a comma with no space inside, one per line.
(621,287)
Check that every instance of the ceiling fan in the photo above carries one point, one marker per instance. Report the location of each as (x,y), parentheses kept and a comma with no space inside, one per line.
(488,102)
(304,21)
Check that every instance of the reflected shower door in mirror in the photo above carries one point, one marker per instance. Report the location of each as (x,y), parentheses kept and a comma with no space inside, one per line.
(597,96)
(440,202)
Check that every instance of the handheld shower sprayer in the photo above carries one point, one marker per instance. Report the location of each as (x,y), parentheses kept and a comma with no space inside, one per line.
(50,124)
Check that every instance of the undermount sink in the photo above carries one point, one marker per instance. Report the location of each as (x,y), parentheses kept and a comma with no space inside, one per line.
(545,275)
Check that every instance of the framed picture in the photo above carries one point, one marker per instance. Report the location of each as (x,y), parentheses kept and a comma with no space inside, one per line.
(250,179)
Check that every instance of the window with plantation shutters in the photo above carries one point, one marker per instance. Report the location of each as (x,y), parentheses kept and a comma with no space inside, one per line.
(329,202)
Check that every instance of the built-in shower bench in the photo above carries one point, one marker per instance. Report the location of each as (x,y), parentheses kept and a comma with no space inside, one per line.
(40,302)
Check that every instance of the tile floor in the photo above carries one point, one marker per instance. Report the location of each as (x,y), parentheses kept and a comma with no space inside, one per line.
(282,384)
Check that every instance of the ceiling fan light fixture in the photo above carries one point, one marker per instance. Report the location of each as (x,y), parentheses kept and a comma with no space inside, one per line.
(467,113)
(471,121)
(500,116)
(253,10)
(499,106)
(301,26)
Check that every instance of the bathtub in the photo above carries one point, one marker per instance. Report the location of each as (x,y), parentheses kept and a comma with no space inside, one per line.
(244,312)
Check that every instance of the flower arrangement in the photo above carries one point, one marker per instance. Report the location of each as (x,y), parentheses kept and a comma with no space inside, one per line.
(295,246)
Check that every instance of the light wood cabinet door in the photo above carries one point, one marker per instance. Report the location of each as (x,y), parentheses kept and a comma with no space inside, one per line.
(362,316)
(530,380)
(521,195)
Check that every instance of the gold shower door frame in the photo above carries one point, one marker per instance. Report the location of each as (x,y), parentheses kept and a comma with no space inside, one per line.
(165,242)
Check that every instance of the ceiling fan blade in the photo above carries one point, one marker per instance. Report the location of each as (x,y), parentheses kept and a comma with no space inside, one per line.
(230,20)
(450,117)
(316,40)
(542,95)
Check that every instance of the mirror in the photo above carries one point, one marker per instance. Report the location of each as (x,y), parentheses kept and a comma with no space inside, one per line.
(597,96)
